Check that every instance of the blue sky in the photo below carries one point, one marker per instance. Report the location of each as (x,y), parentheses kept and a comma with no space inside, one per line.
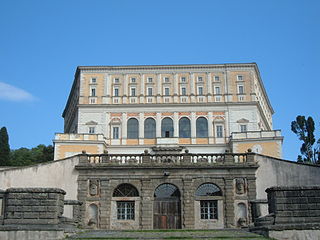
(42,43)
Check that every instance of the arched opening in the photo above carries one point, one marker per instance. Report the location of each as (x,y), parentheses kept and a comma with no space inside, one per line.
(149,128)
(93,217)
(125,201)
(184,128)
(202,127)
(167,128)
(167,207)
(133,128)
(208,206)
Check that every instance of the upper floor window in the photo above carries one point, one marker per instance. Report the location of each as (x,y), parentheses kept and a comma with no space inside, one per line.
(241,89)
(202,127)
(183,91)
(240,78)
(166,80)
(91,130)
(116,92)
(166,91)
(183,79)
(184,128)
(116,80)
(217,90)
(200,90)
(200,79)
(93,80)
(216,79)
(133,80)
(219,131)
(150,80)
(115,133)
(93,92)
(167,128)
(133,92)
(149,128)
(133,129)
(243,128)
(149,91)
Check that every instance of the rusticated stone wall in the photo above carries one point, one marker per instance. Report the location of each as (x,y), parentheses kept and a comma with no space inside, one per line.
(26,206)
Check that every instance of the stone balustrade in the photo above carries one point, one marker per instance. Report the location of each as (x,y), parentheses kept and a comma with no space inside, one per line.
(174,159)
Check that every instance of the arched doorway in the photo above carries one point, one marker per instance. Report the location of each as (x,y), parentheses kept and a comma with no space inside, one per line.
(167,207)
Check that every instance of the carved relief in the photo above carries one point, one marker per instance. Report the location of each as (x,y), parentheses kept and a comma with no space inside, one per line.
(240,186)
(93,187)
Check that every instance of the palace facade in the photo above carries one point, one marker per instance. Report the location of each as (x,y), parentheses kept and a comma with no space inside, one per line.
(212,108)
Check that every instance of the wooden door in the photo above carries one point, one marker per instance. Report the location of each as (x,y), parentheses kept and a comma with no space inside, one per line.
(167,213)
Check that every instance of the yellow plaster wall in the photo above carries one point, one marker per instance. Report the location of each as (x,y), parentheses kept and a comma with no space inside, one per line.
(268,148)
(149,141)
(184,141)
(202,141)
(86,86)
(132,141)
(62,150)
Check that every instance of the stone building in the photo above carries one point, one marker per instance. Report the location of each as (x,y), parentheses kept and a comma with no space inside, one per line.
(162,137)
(202,108)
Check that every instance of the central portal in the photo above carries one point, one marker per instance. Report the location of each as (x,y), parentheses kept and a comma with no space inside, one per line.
(167,207)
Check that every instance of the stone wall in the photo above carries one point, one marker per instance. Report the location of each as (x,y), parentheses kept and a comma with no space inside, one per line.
(27,206)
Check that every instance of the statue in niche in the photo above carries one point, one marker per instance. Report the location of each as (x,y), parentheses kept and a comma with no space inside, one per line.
(240,186)
(93,187)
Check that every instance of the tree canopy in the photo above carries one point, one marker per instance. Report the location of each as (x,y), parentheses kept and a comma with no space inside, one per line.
(304,129)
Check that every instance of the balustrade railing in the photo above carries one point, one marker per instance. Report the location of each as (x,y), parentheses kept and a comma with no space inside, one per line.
(176,159)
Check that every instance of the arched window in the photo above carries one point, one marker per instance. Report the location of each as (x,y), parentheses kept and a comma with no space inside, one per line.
(184,128)
(166,190)
(208,189)
(208,206)
(125,208)
(133,129)
(167,128)
(149,128)
(202,127)
(125,190)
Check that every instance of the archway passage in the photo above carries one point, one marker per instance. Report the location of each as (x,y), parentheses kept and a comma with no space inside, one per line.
(167,207)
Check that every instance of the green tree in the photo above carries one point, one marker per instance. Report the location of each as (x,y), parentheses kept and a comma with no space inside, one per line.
(4,147)
(304,129)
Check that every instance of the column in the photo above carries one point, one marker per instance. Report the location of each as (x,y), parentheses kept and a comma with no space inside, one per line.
(209,86)
(142,88)
(159,88)
(193,128)
(175,124)
(106,132)
(105,206)
(210,128)
(176,88)
(229,203)
(192,88)
(124,128)
(146,207)
(107,89)
(141,128)
(125,88)
(158,125)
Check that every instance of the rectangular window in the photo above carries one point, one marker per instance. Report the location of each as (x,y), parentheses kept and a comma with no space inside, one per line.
(93,92)
(116,92)
(216,79)
(115,133)
(209,209)
(217,90)
(133,92)
(166,80)
(91,130)
(183,91)
(166,91)
(200,90)
(116,80)
(183,79)
(219,129)
(93,80)
(149,91)
(149,80)
(133,80)
(125,210)
(243,128)
(200,79)
(240,89)
(240,78)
